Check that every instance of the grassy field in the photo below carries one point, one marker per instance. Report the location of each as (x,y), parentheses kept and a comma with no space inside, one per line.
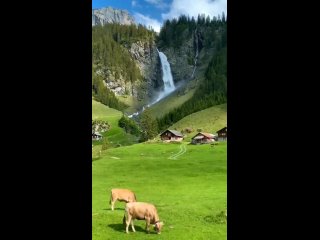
(116,135)
(209,120)
(189,191)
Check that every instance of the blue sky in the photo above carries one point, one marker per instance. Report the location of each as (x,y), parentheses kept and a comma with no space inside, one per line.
(154,12)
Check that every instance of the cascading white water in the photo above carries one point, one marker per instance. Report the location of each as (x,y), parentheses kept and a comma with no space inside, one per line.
(167,76)
(168,84)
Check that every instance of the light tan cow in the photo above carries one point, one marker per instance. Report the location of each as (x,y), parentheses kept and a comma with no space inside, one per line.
(142,211)
(122,195)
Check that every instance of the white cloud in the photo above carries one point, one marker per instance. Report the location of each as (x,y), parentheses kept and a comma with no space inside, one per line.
(193,8)
(133,3)
(147,21)
(158,3)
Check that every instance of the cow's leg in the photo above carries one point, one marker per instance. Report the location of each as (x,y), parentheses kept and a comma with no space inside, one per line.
(148,225)
(112,205)
(128,220)
(132,226)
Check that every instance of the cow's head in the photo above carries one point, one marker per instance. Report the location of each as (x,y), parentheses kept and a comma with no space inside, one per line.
(157,226)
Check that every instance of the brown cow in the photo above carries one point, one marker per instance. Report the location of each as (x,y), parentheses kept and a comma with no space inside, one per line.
(142,211)
(122,195)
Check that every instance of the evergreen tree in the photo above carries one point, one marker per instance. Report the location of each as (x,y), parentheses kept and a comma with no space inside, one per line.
(149,125)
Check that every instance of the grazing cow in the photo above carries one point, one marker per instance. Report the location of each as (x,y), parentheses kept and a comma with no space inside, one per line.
(142,211)
(122,195)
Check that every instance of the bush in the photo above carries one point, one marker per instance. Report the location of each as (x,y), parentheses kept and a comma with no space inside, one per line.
(188,130)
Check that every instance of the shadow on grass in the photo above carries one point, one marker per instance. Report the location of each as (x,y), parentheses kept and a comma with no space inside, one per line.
(122,228)
(109,209)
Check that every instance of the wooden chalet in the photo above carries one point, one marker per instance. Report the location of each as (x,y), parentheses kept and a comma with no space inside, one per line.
(171,135)
(96,136)
(201,138)
(222,134)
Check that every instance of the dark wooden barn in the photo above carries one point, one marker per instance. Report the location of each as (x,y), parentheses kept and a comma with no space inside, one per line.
(222,134)
(171,135)
(96,136)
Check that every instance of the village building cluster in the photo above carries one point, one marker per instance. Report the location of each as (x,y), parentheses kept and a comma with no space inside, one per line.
(199,138)
(98,127)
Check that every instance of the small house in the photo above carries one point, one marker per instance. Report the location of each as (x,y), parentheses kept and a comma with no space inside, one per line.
(222,134)
(96,136)
(171,135)
(201,138)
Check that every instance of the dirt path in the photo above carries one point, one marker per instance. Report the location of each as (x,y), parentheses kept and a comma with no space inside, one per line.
(182,151)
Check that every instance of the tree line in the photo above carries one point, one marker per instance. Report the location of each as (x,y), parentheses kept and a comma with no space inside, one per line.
(174,32)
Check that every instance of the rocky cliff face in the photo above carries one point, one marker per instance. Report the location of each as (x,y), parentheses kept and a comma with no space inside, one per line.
(182,59)
(109,15)
(146,57)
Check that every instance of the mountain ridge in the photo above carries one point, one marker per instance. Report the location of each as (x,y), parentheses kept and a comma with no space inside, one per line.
(101,16)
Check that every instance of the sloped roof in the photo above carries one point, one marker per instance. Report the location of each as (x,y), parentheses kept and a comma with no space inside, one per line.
(97,134)
(208,135)
(222,129)
(198,137)
(177,133)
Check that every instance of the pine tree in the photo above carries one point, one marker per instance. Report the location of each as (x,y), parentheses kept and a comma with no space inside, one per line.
(149,125)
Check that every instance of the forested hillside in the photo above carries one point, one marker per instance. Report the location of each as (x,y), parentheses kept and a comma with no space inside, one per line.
(209,35)
(114,68)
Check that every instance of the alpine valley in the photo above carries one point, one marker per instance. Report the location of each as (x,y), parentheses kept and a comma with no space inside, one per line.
(159,123)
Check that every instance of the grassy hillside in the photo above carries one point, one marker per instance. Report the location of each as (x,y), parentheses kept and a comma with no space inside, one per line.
(209,120)
(115,135)
(169,103)
(189,191)
(102,112)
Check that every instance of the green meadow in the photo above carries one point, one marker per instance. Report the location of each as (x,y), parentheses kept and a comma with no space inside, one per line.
(116,135)
(186,183)
(208,120)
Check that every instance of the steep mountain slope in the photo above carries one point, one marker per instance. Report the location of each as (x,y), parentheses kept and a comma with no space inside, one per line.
(197,52)
(110,15)
(127,61)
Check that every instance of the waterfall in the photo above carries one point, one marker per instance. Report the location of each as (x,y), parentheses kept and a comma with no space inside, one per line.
(197,52)
(168,84)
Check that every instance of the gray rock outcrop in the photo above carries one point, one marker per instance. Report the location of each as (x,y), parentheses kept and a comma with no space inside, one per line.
(110,15)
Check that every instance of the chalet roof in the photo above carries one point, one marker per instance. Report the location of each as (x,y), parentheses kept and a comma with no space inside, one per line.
(222,129)
(177,133)
(208,135)
(97,134)
(198,137)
